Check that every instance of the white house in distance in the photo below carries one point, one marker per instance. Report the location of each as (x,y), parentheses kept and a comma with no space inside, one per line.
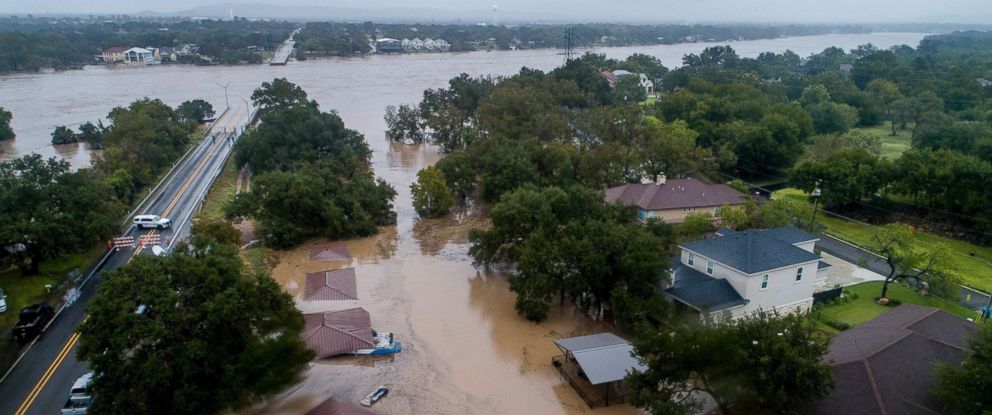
(139,56)
(741,272)
(673,200)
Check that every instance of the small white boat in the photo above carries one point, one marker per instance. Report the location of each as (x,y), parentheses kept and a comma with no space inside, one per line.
(384,344)
(375,396)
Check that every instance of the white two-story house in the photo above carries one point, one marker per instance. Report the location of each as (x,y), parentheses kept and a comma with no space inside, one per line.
(741,272)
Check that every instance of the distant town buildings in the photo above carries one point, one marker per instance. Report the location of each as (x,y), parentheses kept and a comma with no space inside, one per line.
(425,45)
(149,55)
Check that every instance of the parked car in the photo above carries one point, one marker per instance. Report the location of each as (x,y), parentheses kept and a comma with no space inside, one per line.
(79,396)
(31,320)
(152,221)
(3,301)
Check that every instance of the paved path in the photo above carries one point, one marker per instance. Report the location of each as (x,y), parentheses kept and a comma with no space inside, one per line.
(40,383)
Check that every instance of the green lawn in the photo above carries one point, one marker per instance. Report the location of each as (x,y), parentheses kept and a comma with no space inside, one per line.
(24,291)
(221,192)
(973,270)
(892,146)
(864,308)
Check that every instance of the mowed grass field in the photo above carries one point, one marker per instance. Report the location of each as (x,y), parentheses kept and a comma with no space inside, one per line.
(972,263)
(892,145)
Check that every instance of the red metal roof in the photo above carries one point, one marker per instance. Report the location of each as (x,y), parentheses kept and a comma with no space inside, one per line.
(675,194)
(336,284)
(330,253)
(337,332)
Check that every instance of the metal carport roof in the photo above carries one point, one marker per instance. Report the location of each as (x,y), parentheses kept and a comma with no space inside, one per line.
(604,357)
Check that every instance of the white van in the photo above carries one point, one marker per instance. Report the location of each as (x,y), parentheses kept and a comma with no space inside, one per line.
(152,221)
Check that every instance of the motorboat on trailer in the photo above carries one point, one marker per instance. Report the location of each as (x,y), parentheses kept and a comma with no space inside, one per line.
(384,344)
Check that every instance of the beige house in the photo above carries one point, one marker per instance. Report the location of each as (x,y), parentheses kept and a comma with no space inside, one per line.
(673,200)
(113,55)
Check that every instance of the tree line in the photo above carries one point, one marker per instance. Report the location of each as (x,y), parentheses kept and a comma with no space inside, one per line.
(49,210)
(312,174)
(28,44)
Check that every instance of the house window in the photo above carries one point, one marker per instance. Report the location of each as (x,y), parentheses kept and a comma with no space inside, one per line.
(688,210)
(692,258)
(799,274)
(642,214)
(764,281)
(709,267)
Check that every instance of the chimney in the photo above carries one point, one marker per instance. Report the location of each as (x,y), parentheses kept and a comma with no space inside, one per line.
(660,179)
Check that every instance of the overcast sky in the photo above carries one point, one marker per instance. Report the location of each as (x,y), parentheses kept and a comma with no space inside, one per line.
(804,11)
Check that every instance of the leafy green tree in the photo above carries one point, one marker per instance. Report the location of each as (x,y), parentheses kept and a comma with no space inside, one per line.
(831,117)
(206,337)
(289,138)
(63,135)
(145,137)
(219,230)
(6,133)
(93,134)
(758,364)
(47,210)
(772,214)
(629,89)
(967,390)
(458,173)
(195,111)
(279,94)
(739,185)
(505,165)
(670,149)
(290,207)
(431,197)
(845,178)
(894,242)
(821,147)
(695,226)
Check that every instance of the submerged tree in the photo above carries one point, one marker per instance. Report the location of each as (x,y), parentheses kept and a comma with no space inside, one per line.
(431,197)
(190,333)
(6,133)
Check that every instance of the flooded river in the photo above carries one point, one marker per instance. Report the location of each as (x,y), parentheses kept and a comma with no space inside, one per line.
(464,349)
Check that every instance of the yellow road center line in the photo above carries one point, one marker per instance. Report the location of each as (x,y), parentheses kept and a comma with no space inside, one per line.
(48,374)
(29,400)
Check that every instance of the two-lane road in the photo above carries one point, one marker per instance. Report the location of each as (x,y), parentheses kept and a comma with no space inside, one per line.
(41,382)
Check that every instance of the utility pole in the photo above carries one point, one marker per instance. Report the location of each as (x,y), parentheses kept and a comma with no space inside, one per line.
(816,198)
(569,44)
(226,102)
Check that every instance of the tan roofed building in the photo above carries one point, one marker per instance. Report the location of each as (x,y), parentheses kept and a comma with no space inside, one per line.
(673,200)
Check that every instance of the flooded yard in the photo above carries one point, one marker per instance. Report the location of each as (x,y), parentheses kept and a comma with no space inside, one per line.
(464,348)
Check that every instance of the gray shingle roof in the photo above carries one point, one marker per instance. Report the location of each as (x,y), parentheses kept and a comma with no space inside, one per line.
(675,194)
(702,292)
(789,234)
(751,251)
(886,364)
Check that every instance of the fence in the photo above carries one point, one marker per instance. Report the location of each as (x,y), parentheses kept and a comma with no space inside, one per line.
(827,295)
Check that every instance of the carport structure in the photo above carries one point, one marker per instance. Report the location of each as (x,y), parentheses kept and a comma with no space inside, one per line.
(595,366)
(337,332)
(338,284)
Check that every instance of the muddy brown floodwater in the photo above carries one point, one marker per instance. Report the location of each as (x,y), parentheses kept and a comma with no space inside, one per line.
(465,351)
(464,348)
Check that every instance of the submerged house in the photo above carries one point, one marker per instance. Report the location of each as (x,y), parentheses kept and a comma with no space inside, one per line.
(741,272)
(673,200)
(595,366)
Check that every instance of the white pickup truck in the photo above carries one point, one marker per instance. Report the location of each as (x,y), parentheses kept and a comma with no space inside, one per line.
(79,396)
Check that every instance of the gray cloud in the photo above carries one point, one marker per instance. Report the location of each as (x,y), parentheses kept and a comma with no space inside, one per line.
(802,11)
